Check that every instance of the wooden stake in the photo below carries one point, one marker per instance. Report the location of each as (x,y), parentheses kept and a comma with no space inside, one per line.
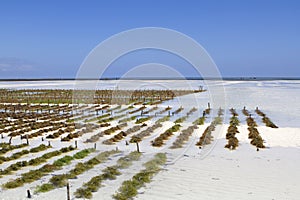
(28,194)
(137,147)
(68,191)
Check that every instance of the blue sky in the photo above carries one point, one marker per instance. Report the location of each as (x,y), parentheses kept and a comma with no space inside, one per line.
(50,39)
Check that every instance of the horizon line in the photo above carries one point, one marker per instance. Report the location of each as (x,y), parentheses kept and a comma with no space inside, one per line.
(153,78)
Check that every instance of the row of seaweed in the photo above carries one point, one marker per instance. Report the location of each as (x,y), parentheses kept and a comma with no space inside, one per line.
(232,130)
(207,137)
(265,119)
(254,136)
(108,173)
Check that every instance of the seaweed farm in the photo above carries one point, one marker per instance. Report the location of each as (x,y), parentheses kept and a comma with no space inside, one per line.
(126,144)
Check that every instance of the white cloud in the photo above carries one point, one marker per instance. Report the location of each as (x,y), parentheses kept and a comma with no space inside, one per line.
(16,65)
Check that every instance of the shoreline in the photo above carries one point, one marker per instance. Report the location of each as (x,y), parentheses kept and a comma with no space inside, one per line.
(155,78)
